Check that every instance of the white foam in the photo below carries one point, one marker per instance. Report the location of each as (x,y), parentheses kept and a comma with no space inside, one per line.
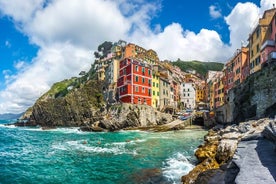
(83,145)
(7,126)
(175,167)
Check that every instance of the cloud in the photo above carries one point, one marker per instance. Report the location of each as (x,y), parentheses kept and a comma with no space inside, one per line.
(215,11)
(185,44)
(20,11)
(67,31)
(7,44)
(242,19)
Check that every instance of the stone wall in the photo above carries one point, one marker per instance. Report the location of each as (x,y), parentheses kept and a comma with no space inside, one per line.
(254,98)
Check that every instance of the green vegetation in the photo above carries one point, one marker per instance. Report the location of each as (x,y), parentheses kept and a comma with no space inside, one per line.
(198,66)
(60,88)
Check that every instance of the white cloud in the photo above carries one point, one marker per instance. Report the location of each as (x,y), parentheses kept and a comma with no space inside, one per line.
(214,11)
(66,31)
(7,44)
(241,21)
(20,11)
(267,4)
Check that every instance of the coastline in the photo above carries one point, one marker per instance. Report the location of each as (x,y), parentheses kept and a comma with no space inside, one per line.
(224,158)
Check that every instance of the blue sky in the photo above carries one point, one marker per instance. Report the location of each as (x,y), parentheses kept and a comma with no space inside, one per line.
(42,42)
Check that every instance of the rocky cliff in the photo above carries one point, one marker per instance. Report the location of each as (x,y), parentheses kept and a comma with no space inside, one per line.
(79,102)
(78,107)
(254,98)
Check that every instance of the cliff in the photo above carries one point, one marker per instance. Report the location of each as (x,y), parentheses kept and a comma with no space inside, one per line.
(78,107)
(254,98)
(79,102)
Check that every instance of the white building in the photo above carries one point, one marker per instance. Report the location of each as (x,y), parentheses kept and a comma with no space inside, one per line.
(188,95)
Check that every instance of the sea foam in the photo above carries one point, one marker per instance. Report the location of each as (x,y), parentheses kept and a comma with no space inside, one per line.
(175,167)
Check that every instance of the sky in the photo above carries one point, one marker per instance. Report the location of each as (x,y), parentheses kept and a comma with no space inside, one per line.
(46,41)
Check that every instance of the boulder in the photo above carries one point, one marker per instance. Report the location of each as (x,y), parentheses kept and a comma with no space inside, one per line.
(270,132)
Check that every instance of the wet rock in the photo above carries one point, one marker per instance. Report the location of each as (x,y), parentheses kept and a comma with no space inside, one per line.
(207,164)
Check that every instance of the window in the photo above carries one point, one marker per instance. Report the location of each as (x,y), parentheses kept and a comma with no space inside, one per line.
(164,92)
(188,94)
(153,93)
(149,72)
(149,82)
(136,78)
(157,85)
(137,68)
(258,48)
(143,90)
(143,70)
(258,32)
(136,88)
(157,93)
(143,80)
(153,84)
(149,92)
(124,71)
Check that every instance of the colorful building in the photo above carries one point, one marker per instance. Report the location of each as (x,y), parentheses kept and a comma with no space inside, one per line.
(164,91)
(219,91)
(155,89)
(268,49)
(257,38)
(134,82)
(188,95)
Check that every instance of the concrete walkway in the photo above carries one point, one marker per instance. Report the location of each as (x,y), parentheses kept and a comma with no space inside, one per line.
(257,162)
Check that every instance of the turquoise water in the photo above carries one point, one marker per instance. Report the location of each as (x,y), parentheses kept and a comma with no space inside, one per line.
(67,155)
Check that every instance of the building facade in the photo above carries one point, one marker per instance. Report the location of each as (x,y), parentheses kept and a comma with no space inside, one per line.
(134,82)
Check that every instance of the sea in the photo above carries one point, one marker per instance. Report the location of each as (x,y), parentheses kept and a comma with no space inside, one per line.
(68,155)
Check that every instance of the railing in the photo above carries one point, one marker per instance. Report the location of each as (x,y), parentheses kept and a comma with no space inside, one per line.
(268,43)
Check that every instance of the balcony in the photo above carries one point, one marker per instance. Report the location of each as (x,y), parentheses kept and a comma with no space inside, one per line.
(268,43)
(272,56)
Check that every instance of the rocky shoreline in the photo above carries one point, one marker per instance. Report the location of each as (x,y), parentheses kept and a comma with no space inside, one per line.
(228,153)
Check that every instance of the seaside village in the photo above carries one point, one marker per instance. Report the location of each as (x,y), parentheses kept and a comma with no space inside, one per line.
(133,74)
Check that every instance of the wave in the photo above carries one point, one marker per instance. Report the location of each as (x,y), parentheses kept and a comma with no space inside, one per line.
(85,146)
(175,167)
(7,126)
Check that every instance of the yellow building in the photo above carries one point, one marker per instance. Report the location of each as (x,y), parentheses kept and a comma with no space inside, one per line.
(211,95)
(221,91)
(155,89)
(200,94)
(256,39)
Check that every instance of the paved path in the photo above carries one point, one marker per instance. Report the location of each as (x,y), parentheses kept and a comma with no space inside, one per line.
(257,162)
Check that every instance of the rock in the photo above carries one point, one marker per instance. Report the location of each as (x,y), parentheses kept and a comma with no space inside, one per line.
(226,150)
(249,137)
(212,176)
(207,164)
(270,132)
(256,160)
(92,129)
(226,174)
(205,151)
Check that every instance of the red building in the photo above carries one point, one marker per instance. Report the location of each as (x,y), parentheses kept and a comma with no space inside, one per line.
(134,82)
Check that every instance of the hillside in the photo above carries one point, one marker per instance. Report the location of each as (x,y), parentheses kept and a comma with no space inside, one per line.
(198,66)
